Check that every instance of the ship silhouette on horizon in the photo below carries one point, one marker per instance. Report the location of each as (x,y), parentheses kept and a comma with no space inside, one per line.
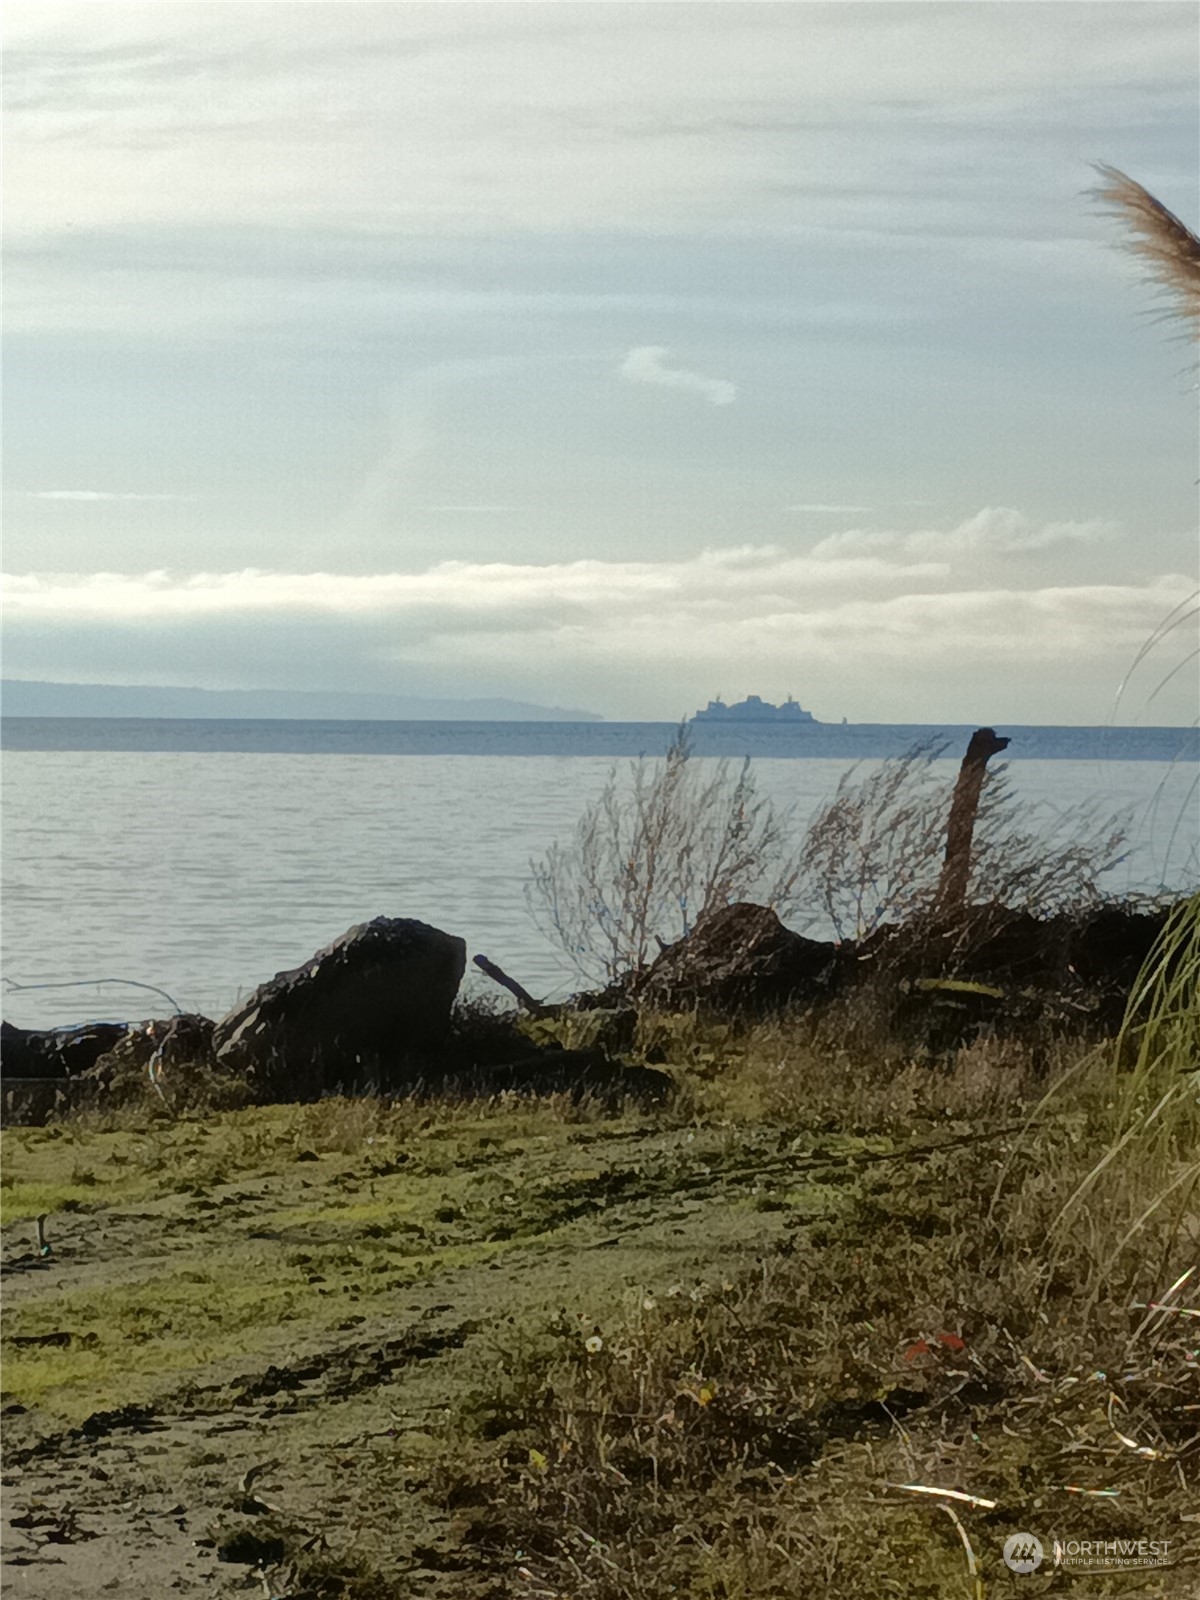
(754,709)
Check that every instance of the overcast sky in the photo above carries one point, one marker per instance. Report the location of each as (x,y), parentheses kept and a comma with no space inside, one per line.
(611,355)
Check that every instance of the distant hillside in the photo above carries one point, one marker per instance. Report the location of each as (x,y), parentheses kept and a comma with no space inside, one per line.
(21,697)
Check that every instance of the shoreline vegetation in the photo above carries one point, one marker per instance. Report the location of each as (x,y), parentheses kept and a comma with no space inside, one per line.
(903,1264)
(835,1319)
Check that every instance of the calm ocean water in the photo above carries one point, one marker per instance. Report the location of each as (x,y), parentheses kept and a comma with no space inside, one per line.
(205,871)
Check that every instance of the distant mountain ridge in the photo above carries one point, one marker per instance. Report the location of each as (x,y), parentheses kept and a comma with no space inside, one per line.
(29,697)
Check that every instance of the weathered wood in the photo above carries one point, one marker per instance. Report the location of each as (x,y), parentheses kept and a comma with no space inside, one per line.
(960,831)
(523,996)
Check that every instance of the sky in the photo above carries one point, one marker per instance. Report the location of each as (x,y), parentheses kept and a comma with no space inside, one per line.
(614,355)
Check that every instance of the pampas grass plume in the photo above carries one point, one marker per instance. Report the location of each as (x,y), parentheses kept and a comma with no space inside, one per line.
(1168,246)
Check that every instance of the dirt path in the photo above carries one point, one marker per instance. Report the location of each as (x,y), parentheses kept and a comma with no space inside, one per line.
(401,1274)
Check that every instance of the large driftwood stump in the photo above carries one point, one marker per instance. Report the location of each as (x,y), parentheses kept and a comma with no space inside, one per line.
(960,831)
(739,957)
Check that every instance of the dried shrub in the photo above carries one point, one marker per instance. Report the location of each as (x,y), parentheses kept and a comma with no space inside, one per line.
(873,855)
(653,855)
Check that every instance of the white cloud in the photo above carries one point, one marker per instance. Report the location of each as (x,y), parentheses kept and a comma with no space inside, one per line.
(460,593)
(445,118)
(853,542)
(739,604)
(647,364)
(996,530)
(90,494)
(847,510)
(875,633)
(1003,531)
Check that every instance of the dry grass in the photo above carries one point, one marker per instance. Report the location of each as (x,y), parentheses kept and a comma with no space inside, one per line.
(874,854)
(751,1441)
(845,1066)
(653,855)
(997,1337)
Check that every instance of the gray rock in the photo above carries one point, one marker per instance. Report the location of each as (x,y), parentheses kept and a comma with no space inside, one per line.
(372,1007)
(56,1052)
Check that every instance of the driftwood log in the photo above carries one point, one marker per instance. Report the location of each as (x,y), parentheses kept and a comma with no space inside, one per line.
(523,996)
(960,831)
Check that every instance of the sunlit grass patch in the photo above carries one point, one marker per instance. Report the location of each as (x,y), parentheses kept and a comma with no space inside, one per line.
(90,1162)
(126,1338)
(349,1216)
(78,1162)
(43,1171)
(129,1342)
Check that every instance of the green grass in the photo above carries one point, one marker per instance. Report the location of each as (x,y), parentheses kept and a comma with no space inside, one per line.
(964,1299)
(257,1226)
(126,1339)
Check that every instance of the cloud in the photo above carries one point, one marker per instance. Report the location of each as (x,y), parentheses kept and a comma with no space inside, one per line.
(646,363)
(91,494)
(996,530)
(848,510)
(734,602)
(566,116)
(1003,531)
(458,594)
(875,633)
